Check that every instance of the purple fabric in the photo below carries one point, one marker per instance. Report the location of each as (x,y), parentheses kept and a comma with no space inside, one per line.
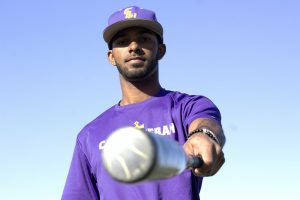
(133,13)
(169,114)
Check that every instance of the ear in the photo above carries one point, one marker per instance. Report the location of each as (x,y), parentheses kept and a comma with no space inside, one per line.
(161,51)
(111,58)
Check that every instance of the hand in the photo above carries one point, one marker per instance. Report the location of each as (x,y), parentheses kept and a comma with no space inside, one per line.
(202,145)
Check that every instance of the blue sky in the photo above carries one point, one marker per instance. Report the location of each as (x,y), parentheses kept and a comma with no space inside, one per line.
(55,78)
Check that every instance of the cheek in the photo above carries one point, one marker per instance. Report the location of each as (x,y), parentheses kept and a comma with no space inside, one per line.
(152,53)
(118,56)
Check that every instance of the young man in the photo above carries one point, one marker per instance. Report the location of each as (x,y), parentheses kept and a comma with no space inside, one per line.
(135,41)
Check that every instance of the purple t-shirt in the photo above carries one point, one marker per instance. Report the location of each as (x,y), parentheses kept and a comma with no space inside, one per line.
(169,114)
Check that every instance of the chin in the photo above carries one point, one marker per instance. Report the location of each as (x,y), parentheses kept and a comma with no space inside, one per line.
(138,72)
(145,75)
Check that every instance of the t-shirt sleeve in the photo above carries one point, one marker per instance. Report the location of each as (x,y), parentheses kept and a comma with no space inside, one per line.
(80,184)
(199,107)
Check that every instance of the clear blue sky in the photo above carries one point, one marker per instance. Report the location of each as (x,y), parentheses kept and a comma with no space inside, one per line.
(55,78)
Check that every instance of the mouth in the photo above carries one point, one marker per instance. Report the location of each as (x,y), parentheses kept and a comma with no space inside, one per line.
(135,58)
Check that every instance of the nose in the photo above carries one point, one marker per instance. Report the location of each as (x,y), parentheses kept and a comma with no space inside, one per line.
(134,47)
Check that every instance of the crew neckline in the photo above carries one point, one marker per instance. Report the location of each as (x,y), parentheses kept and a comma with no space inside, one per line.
(161,93)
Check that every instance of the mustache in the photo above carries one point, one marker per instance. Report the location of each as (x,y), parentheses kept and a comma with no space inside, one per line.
(135,57)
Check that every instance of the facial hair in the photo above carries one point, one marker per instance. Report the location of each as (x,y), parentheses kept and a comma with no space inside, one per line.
(140,73)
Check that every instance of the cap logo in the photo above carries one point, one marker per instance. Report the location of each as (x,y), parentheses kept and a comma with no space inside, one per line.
(128,13)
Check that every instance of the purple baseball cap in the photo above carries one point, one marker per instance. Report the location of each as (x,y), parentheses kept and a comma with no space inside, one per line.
(130,17)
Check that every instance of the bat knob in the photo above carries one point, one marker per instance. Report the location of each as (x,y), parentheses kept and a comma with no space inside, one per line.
(194,162)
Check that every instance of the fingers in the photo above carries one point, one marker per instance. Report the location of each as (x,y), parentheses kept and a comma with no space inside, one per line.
(210,151)
(219,165)
(209,168)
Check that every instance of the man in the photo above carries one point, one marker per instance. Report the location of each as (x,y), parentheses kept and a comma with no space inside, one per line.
(135,41)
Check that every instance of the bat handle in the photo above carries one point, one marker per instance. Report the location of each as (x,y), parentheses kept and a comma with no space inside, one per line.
(194,162)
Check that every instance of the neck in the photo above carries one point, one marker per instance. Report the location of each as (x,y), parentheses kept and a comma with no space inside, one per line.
(138,91)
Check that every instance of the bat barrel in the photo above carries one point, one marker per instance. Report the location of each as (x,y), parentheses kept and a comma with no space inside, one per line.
(129,155)
(132,155)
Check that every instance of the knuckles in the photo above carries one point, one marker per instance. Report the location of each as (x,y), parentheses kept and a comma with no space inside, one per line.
(210,151)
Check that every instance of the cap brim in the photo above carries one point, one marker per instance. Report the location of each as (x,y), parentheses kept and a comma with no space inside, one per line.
(112,30)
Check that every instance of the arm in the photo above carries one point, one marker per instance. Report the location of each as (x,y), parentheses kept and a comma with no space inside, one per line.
(200,144)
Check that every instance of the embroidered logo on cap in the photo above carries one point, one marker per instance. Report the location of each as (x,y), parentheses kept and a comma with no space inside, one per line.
(128,13)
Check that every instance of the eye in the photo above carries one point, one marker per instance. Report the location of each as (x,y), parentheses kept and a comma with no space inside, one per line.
(145,38)
(121,42)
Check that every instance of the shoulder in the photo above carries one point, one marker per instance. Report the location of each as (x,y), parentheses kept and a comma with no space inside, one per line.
(184,98)
(195,106)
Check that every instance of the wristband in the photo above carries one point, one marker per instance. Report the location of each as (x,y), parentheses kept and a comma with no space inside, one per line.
(206,131)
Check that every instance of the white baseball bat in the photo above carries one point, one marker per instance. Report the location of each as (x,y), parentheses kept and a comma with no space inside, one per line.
(133,155)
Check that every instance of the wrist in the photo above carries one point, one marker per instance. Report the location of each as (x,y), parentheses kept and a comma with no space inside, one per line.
(206,131)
